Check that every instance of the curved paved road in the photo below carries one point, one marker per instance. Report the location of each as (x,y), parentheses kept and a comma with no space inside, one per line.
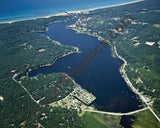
(117,114)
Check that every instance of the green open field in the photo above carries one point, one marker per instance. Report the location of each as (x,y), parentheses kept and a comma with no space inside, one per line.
(101,120)
(145,119)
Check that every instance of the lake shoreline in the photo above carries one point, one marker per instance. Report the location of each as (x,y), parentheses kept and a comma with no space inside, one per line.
(124,75)
(50,64)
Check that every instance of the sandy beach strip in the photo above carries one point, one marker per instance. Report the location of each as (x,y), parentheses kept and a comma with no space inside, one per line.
(59,14)
(110,6)
(75,12)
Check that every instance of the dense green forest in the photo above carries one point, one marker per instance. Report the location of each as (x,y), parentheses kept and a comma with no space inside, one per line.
(143,59)
(22,49)
(48,86)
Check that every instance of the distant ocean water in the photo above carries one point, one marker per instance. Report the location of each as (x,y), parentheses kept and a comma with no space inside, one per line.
(11,10)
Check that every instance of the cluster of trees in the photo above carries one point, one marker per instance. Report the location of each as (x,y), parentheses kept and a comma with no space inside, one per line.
(48,86)
(60,118)
(146,15)
(19,52)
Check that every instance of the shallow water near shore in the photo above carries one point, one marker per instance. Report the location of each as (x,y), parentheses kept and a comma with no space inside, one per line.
(28,9)
(101,77)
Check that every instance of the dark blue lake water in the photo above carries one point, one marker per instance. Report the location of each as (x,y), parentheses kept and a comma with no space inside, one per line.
(102,77)
(11,10)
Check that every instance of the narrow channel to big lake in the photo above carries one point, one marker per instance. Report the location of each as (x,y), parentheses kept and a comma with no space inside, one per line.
(101,78)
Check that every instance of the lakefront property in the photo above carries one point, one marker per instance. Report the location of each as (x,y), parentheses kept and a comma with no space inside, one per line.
(97,66)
